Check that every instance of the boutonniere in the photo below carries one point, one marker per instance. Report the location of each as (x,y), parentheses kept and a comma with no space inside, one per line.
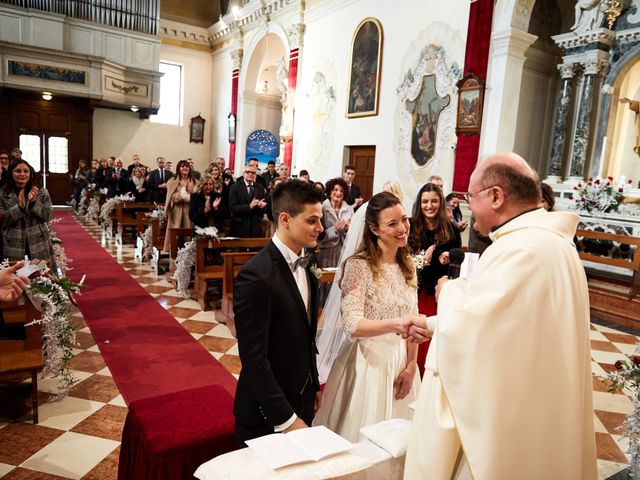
(316,270)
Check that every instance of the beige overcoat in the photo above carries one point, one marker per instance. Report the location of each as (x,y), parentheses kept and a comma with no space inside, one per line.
(508,384)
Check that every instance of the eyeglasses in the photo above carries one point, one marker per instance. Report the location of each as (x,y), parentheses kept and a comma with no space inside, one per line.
(468,196)
(249,172)
(4,158)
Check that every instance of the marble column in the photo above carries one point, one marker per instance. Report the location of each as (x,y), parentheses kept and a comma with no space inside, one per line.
(560,129)
(582,134)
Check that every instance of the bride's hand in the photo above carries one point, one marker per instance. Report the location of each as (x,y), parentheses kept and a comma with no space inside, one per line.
(402,385)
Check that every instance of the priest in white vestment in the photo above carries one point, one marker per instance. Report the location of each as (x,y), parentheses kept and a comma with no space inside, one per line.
(507,392)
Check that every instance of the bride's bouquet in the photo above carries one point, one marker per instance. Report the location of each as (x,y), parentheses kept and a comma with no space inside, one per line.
(420,259)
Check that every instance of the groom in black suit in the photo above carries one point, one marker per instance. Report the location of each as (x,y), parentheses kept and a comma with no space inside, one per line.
(275,306)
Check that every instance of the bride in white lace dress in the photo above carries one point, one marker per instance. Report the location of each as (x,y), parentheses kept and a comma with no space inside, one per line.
(374,378)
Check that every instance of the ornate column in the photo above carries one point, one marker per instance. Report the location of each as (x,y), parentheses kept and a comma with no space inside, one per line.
(560,129)
(236,59)
(582,134)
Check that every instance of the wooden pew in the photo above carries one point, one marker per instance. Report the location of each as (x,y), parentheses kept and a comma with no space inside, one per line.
(23,355)
(174,234)
(126,216)
(632,263)
(209,262)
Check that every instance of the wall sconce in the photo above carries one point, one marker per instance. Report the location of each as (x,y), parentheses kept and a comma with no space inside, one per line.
(47,96)
(134,108)
(231,120)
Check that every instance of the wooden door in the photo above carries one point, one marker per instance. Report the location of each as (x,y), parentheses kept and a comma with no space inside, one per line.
(364,159)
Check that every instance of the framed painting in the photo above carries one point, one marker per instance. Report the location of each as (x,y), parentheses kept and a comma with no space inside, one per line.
(364,70)
(196,130)
(470,101)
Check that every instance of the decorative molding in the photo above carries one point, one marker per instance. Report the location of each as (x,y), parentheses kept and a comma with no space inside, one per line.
(511,41)
(183,32)
(572,40)
(628,36)
(250,15)
(295,34)
(594,66)
(46,72)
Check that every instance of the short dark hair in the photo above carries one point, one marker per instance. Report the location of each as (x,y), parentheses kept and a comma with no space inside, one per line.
(349,167)
(303,172)
(548,195)
(292,196)
(337,181)
(521,188)
(271,162)
(252,159)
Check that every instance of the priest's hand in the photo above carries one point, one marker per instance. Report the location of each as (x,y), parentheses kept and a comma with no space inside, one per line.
(12,286)
(296,425)
(402,385)
(441,283)
(417,330)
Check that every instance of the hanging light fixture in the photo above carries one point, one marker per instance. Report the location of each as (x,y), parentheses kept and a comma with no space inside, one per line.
(47,96)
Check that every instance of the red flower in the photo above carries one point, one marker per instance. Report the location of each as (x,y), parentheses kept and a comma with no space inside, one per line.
(635,359)
(579,185)
(619,364)
(629,181)
(610,179)
(570,197)
(591,179)
(597,182)
(621,190)
(589,184)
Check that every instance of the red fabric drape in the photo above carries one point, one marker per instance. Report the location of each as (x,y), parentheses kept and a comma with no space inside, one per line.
(476,61)
(293,82)
(234,110)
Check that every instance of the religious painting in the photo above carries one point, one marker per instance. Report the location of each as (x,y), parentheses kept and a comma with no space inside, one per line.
(425,111)
(364,72)
(263,145)
(46,72)
(196,132)
(470,99)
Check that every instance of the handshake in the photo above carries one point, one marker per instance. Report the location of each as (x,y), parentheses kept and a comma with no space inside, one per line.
(412,327)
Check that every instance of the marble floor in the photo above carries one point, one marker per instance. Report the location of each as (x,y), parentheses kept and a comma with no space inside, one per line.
(79,437)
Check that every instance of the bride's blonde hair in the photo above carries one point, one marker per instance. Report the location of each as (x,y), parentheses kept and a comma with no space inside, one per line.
(369,249)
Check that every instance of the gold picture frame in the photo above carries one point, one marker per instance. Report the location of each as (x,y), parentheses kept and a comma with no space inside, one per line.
(196,130)
(470,103)
(365,69)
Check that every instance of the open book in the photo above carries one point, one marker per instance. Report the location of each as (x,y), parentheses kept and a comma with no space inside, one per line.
(299,446)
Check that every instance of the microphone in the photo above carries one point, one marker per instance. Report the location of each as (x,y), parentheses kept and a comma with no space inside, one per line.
(456,257)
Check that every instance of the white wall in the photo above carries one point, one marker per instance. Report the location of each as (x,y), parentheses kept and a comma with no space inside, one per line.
(121,133)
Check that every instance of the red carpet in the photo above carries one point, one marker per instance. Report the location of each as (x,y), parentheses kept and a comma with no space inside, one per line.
(148,352)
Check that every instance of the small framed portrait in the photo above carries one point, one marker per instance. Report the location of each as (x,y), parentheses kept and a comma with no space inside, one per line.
(231,120)
(470,101)
(196,131)
(364,71)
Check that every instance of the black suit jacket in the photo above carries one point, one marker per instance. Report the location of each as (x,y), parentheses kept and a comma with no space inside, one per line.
(354,192)
(246,222)
(117,186)
(156,194)
(276,341)
(201,219)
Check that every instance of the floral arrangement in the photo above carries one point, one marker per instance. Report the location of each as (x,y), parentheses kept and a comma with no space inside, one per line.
(186,259)
(93,210)
(60,259)
(82,203)
(110,205)
(146,248)
(626,376)
(53,297)
(420,259)
(598,195)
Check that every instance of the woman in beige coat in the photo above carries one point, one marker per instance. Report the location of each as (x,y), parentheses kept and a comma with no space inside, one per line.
(176,207)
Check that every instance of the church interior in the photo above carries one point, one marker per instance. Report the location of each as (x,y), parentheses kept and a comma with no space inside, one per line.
(399,91)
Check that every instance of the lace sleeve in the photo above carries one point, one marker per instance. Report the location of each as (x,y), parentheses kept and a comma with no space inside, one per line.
(354,291)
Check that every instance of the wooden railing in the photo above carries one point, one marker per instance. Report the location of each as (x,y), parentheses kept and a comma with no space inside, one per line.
(137,15)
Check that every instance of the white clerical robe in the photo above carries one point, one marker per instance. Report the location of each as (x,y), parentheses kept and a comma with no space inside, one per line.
(508,384)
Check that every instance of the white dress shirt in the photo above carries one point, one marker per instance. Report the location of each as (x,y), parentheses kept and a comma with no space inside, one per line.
(300,276)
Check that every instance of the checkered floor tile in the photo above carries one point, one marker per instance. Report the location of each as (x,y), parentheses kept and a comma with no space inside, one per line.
(79,437)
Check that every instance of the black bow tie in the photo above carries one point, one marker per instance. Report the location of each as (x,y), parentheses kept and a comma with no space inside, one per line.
(302,261)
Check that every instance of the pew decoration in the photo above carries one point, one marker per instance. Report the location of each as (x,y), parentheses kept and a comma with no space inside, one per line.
(59,259)
(626,379)
(147,237)
(93,210)
(53,297)
(186,259)
(110,205)
(599,195)
(84,194)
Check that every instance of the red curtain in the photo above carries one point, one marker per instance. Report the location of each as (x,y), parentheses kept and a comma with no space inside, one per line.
(234,110)
(476,61)
(293,82)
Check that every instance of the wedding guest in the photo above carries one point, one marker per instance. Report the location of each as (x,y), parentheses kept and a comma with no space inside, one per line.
(79,180)
(27,210)
(195,173)
(454,203)
(16,153)
(271,173)
(259,179)
(136,164)
(354,197)
(269,208)
(336,216)
(176,207)
(304,176)
(433,233)
(93,171)
(375,378)
(320,186)
(4,167)
(138,185)
(283,171)
(548,197)
(227,177)
(247,201)
(205,205)
(117,180)
(157,181)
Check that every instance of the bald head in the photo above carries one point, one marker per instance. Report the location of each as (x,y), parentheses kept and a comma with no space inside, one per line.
(513,174)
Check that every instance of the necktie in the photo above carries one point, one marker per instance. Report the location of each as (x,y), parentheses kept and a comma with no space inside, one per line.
(303,261)
(251,190)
